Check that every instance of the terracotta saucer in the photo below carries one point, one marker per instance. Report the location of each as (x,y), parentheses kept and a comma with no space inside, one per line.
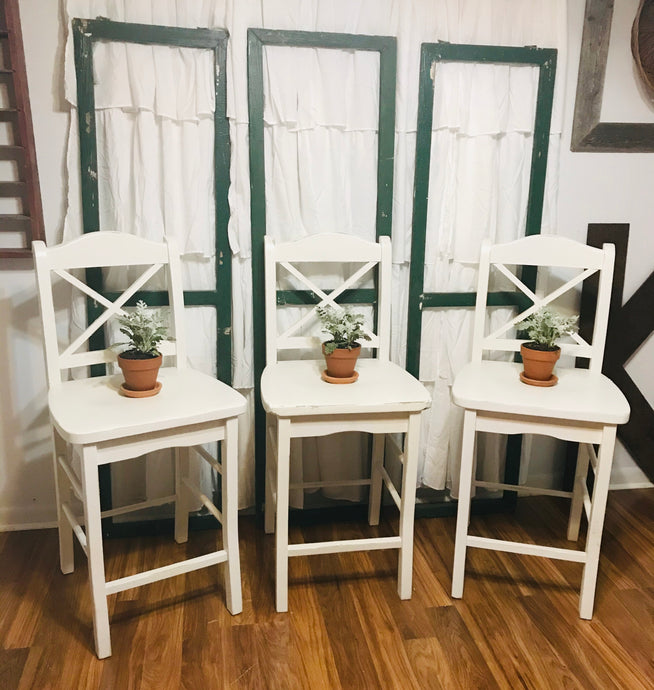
(551,381)
(140,394)
(334,379)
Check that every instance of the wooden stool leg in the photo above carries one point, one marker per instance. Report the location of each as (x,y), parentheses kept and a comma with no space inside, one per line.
(577,504)
(407,507)
(269,507)
(596,522)
(230,517)
(281,534)
(463,510)
(181,494)
(63,496)
(374,500)
(92,520)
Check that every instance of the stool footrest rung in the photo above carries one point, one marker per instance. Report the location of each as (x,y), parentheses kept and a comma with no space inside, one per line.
(592,456)
(76,526)
(206,501)
(587,500)
(526,549)
(165,571)
(72,477)
(208,458)
(335,482)
(522,489)
(392,441)
(341,546)
(397,499)
(151,503)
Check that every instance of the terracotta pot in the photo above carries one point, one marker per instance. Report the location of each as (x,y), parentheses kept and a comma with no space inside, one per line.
(539,364)
(140,374)
(341,362)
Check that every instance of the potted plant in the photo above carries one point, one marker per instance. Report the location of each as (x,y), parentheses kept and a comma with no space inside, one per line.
(141,360)
(343,348)
(541,353)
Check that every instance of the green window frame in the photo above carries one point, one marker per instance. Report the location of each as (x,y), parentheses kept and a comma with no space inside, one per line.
(85,33)
(432,53)
(386,46)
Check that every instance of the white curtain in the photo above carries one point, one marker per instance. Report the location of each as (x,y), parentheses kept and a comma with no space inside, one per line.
(482,139)
(321,146)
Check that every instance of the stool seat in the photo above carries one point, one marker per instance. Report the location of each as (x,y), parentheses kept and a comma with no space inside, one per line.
(295,388)
(92,410)
(579,395)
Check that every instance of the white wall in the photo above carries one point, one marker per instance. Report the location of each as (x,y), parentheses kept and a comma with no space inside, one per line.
(613,188)
(593,188)
(26,480)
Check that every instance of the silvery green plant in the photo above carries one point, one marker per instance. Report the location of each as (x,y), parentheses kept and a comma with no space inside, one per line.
(546,326)
(344,327)
(145,330)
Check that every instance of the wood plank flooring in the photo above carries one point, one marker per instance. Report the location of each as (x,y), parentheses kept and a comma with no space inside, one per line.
(516,627)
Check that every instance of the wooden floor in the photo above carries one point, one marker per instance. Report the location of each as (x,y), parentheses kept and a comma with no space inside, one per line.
(516,627)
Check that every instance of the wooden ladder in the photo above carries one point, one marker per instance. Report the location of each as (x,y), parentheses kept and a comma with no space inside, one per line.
(21,213)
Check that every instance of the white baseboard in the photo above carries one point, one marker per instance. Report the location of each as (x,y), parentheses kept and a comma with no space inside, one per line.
(27,526)
(623,478)
(19,519)
(631,485)
(628,477)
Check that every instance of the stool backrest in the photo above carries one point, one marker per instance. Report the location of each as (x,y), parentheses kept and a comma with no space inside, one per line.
(99,250)
(348,261)
(555,253)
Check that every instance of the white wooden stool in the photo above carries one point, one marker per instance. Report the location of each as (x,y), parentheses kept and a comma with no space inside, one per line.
(94,425)
(384,400)
(584,406)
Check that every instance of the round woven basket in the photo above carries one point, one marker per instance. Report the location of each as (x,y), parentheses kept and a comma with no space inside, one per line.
(642,44)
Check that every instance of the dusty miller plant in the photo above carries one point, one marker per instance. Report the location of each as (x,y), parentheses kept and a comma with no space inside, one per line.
(145,330)
(344,327)
(546,326)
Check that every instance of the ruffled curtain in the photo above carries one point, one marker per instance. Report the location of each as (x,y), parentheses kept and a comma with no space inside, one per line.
(154,129)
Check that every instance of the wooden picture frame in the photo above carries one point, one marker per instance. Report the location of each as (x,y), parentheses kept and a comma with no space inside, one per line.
(588,133)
